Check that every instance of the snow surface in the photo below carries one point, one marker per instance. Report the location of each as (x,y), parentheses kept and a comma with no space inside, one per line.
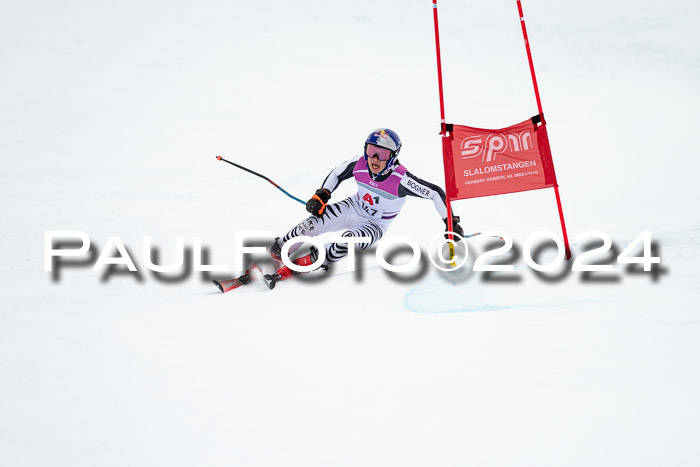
(112,114)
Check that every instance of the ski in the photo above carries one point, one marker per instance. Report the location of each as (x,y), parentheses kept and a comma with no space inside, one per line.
(246,278)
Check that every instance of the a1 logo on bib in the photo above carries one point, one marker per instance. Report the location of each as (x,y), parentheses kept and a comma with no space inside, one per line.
(368,198)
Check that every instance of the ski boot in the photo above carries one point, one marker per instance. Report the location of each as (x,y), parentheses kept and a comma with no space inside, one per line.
(276,253)
(285,273)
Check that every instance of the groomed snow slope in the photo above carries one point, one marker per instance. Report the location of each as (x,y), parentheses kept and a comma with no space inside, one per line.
(112,114)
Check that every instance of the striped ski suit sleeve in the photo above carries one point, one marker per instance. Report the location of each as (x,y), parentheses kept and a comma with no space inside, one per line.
(413,186)
(340,173)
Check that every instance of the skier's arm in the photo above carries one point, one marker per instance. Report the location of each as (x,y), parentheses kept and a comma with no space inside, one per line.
(317,204)
(340,173)
(413,186)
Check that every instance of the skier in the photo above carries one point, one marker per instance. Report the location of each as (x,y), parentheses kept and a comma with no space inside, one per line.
(383,184)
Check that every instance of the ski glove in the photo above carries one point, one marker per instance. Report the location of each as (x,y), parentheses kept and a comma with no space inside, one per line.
(456,228)
(317,204)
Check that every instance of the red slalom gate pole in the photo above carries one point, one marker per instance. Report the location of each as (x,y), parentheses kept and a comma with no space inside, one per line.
(529,57)
(439,69)
(443,127)
(539,108)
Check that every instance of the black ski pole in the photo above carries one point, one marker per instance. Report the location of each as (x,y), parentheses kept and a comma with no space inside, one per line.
(263,177)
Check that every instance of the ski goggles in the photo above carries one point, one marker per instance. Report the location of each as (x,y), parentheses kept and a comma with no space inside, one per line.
(383,154)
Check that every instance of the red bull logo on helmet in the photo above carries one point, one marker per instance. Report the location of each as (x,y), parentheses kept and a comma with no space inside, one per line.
(384,139)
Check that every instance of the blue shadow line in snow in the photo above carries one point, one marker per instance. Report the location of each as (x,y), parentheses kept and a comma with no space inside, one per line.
(487,307)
